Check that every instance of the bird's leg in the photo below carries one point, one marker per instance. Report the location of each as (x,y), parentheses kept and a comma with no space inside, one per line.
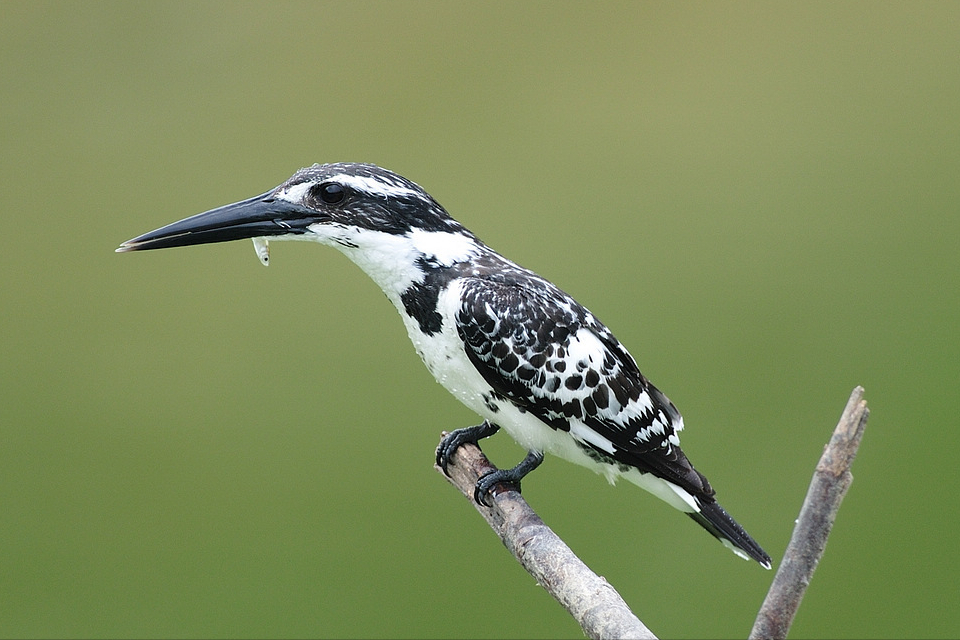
(488,481)
(453,440)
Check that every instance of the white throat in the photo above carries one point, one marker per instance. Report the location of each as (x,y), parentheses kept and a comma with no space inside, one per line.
(394,261)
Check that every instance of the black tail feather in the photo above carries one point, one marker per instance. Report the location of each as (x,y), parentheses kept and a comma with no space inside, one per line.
(718,522)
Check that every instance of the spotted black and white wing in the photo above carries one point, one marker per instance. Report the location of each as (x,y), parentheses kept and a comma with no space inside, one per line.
(548,355)
(542,351)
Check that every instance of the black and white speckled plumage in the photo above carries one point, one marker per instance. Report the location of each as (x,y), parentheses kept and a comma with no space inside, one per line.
(509,344)
(541,350)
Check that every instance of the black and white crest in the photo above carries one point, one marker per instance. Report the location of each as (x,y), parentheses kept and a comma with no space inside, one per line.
(376,199)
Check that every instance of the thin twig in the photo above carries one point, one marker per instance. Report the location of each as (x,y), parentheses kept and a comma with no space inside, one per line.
(830,482)
(594,604)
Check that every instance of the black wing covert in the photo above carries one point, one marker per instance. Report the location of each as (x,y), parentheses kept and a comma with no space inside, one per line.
(547,354)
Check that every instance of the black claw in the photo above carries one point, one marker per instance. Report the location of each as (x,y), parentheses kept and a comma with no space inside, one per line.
(488,481)
(455,439)
(485,484)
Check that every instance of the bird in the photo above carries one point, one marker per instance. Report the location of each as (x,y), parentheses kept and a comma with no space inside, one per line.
(507,343)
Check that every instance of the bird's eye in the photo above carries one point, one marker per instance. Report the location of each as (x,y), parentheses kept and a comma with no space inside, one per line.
(332,193)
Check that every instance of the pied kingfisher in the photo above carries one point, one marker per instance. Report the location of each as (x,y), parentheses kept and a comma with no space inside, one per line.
(507,343)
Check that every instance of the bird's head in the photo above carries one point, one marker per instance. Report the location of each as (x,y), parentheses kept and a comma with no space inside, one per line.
(340,204)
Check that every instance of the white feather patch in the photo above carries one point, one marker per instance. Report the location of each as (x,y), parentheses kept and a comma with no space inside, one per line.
(445,247)
(294,193)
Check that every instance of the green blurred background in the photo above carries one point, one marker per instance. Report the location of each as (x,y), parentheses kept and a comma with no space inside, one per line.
(760,199)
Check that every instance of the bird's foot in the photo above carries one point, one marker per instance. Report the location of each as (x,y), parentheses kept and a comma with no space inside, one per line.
(488,481)
(455,439)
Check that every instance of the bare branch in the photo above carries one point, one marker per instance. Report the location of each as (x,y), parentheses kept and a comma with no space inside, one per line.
(830,482)
(594,604)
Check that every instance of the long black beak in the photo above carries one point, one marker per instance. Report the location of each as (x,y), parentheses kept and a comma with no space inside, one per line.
(263,215)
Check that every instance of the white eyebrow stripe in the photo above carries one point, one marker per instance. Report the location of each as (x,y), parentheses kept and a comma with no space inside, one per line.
(375,187)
